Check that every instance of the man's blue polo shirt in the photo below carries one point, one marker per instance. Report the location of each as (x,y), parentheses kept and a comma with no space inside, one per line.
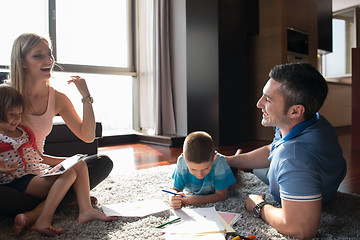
(308,165)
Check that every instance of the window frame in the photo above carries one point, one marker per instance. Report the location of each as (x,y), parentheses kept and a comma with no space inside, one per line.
(356,40)
(130,70)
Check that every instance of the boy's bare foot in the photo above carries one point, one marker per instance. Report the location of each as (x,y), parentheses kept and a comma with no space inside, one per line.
(92,215)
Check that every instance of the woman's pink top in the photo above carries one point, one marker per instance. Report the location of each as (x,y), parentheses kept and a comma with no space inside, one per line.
(41,125)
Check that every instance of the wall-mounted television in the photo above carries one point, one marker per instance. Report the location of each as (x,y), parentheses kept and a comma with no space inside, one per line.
(297,41)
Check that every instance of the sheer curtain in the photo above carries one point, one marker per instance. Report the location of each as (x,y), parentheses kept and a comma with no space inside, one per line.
(155,87)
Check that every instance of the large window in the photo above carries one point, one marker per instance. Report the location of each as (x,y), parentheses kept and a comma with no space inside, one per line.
(92,39)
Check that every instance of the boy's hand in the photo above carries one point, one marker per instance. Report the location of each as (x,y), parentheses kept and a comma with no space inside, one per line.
(176,201)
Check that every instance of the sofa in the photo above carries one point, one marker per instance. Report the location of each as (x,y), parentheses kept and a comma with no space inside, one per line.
(62,142)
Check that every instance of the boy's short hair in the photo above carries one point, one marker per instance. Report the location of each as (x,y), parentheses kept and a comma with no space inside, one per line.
(9,98)
(198,147)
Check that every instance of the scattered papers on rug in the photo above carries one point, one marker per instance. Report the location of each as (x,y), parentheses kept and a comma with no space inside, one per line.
(230,218)
(135,209)
(200,223)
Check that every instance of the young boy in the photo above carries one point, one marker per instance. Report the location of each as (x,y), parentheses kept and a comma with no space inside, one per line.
(201,171)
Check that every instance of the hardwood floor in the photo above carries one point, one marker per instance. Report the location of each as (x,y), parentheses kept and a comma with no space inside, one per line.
(130,157)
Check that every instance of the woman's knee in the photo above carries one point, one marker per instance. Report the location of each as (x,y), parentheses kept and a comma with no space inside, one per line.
(82,164)
(99,167)
(70,174)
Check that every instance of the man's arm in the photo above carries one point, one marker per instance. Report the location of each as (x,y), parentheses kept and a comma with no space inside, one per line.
(296,219)
(255,159)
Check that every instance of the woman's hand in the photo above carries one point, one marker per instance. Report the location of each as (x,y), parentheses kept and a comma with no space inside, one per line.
(81,85)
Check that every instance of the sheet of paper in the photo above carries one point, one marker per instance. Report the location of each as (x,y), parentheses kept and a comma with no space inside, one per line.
(196,221)
(135,209)
(228,228)
(230,218)
(213,236)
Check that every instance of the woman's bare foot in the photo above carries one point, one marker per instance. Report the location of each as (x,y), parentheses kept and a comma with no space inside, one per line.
(92,215)
(50,231)
(24,220)
(47,229)
(20,223)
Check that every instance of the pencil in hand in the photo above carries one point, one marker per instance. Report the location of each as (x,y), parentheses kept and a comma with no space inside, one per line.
(177,194)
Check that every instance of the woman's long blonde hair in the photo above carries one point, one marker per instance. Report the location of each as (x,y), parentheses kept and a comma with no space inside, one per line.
(22,45)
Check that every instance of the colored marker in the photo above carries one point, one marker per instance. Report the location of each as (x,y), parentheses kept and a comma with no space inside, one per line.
(242,237)
(173,193)
(172,221)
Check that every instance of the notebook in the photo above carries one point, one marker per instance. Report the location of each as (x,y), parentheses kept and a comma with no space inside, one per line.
(64,165)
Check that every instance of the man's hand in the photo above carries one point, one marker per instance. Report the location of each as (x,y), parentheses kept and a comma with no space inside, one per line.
(254,199)
(295,218)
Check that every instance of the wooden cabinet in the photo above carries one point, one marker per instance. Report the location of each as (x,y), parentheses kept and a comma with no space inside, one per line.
(217,65)
(270,45)
(355,114)
(325,25)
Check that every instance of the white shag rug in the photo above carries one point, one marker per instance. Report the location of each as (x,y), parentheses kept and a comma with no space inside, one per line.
(340,218)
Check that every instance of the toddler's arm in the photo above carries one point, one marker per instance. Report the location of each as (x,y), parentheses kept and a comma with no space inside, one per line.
(50,160)
(7,170)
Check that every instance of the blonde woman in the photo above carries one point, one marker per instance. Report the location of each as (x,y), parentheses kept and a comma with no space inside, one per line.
(31,66)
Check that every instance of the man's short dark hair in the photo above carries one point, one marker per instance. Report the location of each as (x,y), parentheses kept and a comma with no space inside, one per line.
(302,84)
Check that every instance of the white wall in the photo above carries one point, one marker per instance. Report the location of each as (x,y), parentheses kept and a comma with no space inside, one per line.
(337,106)
(178,47)
(342,4)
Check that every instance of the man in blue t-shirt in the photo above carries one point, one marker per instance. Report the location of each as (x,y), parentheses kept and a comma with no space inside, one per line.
(304,165)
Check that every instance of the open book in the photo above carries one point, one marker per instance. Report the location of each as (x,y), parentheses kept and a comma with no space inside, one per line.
(64,165)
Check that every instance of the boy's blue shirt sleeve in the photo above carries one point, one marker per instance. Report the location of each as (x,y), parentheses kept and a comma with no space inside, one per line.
(224,177)
(177,174)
